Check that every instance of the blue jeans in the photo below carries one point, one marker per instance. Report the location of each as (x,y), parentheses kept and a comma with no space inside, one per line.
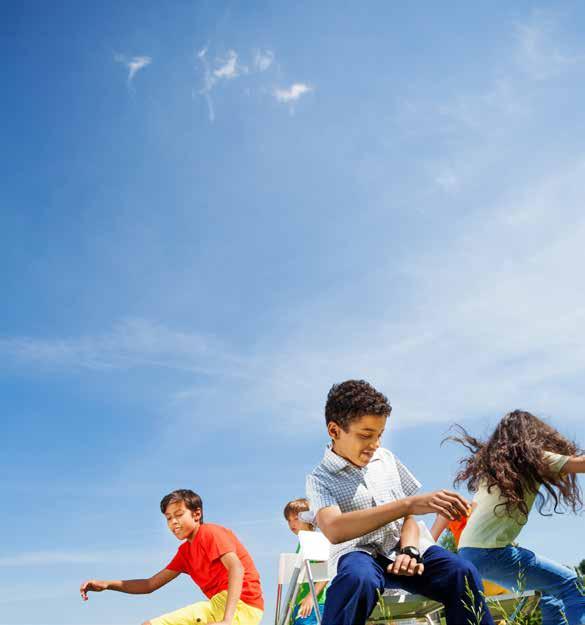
(308,620)
(562,598)
(352,593)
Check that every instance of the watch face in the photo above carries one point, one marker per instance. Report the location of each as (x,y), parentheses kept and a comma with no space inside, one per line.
(413,552)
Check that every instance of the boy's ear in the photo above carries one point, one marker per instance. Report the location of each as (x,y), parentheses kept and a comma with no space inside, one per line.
(333,430)
(196,514)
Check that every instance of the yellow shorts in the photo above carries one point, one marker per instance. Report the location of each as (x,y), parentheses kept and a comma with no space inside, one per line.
(211,611)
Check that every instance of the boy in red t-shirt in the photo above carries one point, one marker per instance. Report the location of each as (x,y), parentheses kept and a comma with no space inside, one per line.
(216,561)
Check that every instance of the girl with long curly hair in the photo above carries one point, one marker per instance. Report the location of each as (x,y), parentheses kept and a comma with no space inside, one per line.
(523,461)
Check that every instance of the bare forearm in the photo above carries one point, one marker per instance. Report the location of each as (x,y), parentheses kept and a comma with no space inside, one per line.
(439,526)
(409,537)
(319,587)
(575,464)
(131,586)
(234,591)
(354,524)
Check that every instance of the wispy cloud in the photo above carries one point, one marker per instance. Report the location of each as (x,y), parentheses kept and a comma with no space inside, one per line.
(208,83)
(263,59)
(293,93)
(134,64)
(55,558)
(229,67)
(488,331)
(130,344)
(540,51)
(226,68)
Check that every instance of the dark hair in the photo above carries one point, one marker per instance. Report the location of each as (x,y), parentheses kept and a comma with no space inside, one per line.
(353,399)
(512,460)
(191,500)
(295,506)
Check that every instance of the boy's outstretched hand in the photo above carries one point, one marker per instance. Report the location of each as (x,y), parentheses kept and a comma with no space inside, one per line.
(445,502)
(93,585)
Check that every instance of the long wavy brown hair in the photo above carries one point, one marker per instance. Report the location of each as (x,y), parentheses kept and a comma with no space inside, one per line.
(511,459)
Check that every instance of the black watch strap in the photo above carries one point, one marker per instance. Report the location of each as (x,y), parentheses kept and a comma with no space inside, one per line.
(411,552)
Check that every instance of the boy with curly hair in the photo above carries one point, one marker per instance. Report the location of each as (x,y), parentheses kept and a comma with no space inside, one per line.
(364,501)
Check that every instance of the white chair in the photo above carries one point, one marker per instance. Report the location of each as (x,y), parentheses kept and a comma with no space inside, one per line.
(310,565)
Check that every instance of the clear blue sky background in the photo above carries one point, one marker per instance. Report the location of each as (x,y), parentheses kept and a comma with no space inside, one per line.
(211,211)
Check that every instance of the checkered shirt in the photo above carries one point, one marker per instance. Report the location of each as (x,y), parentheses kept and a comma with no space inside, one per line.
(337,482)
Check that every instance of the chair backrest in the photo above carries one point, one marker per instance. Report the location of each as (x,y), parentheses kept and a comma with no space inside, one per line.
(286,566)
(314,546)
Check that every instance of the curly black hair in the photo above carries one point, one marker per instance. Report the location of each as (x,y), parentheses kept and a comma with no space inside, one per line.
(511,459)
(353,399)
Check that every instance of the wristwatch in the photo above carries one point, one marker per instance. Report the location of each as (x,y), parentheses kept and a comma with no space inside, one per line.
(412,552)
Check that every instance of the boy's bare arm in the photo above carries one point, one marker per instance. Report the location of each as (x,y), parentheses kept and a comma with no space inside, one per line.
(410,534)
(130,586)
(341,526)
(575,464)
(235,581)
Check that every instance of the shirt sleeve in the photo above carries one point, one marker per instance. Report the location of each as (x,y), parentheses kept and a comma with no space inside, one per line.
(318,494)
(218,541)
(177,563)
(410,485)
(556,461)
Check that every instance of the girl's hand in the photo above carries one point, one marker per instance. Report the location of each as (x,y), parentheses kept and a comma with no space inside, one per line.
(306,606)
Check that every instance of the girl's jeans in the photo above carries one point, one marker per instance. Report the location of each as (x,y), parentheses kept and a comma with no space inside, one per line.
(563,595)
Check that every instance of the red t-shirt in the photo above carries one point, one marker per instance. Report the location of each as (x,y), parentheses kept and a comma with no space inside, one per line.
(201,560)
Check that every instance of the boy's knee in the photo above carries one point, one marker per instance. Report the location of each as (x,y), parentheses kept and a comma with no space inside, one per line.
(357,578)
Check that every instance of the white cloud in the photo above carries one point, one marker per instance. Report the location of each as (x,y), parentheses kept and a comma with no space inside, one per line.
(56,557)
(229,67)
(130,344)
(498,322)
(293,93)
(263,60)
(134,65)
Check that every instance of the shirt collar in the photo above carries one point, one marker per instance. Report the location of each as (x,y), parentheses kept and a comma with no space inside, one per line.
(334,463)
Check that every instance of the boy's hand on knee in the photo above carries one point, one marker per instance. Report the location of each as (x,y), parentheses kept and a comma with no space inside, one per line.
(405,565)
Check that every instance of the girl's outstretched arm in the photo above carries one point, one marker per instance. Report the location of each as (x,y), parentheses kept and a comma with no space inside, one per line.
(575,464)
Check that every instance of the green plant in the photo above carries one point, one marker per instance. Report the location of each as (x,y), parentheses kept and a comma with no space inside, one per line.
(469,603)
(385,613)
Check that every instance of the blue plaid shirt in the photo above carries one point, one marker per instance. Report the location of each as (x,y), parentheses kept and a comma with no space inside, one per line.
(337,482)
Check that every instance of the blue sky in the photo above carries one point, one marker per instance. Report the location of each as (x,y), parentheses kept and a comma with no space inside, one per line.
(212,211)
